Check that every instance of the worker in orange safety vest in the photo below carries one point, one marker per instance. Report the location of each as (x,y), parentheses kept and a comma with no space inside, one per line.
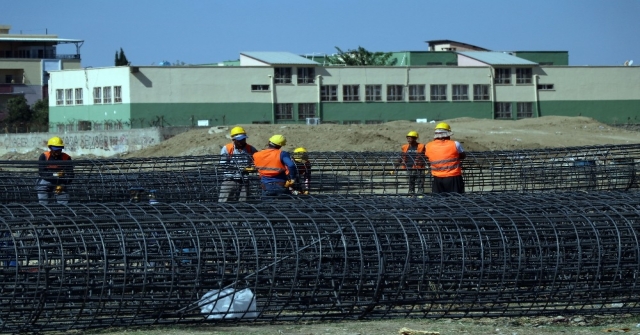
(413,161)
(55,174)
(445,158)
(277,170)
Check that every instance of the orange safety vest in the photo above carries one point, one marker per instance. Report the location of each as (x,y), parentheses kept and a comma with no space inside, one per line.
(249,149)
(444,158)
(64,156)
(418,161)
(268,163)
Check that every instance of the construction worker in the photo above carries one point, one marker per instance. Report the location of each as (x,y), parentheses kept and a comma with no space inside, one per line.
(445,157)
(413,160)
(273,165)
(303,182)
(54,177)
(236,160)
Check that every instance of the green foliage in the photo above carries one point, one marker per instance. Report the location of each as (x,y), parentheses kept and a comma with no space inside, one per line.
(41,111)
(121,59)
(19,110)
(361,57)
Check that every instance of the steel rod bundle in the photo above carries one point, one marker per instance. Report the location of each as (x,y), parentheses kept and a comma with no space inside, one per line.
(198,178)
(177,263)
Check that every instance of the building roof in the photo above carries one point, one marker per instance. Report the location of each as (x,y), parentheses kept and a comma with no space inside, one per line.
(496,58)
(39,39)
(276,58)
(437,42)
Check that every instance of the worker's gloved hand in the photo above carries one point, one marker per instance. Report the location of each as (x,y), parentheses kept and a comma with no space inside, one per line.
(249,169)
(59,189)
(289,183)
(392,172)
(58,174)
(305,192)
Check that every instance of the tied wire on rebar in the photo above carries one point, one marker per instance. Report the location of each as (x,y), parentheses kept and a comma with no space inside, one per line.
(83,266)
(198,178)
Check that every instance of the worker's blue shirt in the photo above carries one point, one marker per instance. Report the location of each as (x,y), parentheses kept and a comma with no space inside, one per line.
(282,177)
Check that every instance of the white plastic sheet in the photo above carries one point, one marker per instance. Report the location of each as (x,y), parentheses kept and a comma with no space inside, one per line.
(228,304)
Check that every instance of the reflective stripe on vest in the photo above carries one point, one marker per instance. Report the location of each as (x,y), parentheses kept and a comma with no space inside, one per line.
(444,158)
(419,160)
(268,162)
(47,154)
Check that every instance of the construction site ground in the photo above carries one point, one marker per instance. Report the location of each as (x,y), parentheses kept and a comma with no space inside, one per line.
(476,135)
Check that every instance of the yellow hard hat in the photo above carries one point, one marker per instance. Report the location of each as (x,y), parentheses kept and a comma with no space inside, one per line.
(55,142)
(413,133)
(278,140)
(443,126)
(300,154)
(237,131)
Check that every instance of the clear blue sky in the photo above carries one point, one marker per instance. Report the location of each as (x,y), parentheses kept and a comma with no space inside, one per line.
(594,32)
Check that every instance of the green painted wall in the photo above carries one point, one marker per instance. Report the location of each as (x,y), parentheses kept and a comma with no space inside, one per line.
(93,113)
(554,57)
(188,114)
(390,111)
(613,111)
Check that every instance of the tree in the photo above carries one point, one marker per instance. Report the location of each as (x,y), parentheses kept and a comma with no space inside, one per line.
(19,110)
(361,56)
(121,59)
(41,112)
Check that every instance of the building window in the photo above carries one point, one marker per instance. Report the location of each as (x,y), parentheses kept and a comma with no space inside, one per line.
(97,95)
(502,110)
(350,93)
(98,126)
(59,97)
(84,125)
(545,63)
(69,127)
(329,93)
(452,64)
(60,128)
(523,76)
(503,76)
(117,94)
(259,87)
(438,92)
(78,96)
(481,92)
(306,75)
(351,122)
(434,63)
(8,79)
(373,122)
(395,93)
(525,110)
(284,111)
(106,95)
(459,92)
(373,92)
(545,87)
(416,93)
(68,96)
(307,110)
(283,75)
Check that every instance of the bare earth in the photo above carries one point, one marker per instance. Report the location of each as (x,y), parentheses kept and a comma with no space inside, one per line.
(476,135)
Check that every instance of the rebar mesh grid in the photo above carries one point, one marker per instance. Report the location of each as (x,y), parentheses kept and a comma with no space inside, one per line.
(465,256)
(198,178)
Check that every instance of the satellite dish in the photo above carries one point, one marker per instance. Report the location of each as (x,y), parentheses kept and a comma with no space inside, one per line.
(631,62)
(626,63)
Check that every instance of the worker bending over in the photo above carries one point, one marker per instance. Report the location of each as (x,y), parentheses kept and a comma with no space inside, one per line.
(303,182)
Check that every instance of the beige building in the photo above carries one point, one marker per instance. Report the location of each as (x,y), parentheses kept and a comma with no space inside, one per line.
(25,62)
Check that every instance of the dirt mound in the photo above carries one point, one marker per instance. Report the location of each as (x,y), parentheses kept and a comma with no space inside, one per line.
(475,134)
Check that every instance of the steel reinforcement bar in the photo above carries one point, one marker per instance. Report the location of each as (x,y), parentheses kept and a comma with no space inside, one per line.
(80,272)
(504,203)
(198,178)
